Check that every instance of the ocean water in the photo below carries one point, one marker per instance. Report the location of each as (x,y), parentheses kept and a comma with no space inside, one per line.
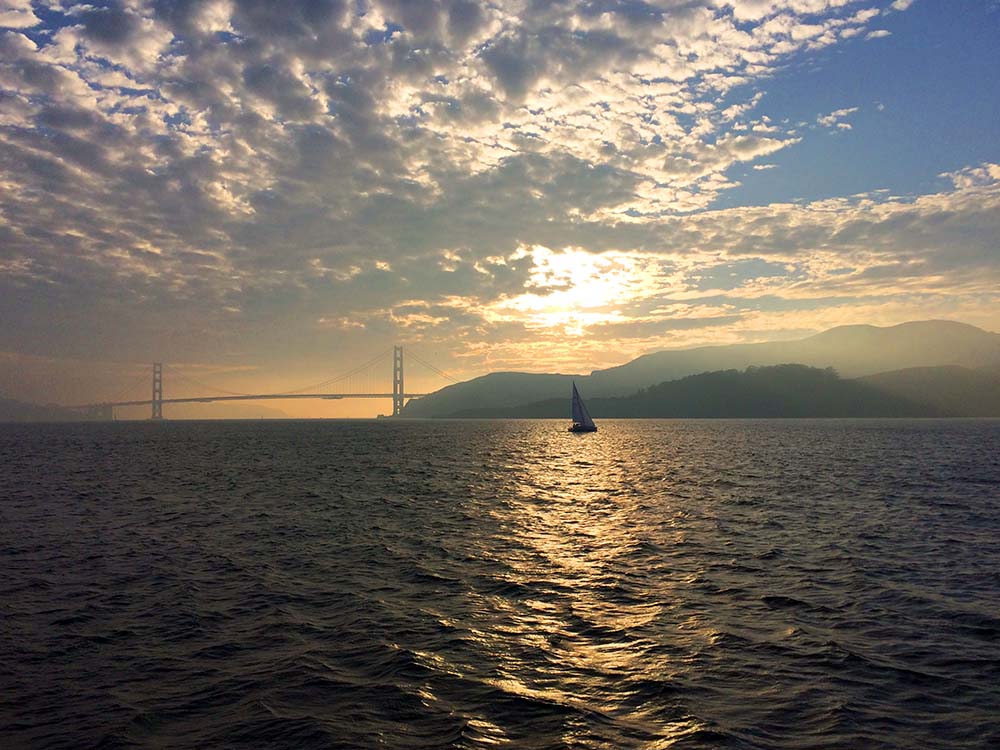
(660,584)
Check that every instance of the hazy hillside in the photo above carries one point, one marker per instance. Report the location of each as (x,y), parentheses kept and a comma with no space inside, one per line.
(853,351)
(498,389)
(18,411)
(218,410)
(777,391)
(955,391)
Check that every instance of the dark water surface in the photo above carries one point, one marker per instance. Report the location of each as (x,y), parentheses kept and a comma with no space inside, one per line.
(661,584)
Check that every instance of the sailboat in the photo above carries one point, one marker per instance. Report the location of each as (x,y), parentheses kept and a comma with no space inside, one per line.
(581,417)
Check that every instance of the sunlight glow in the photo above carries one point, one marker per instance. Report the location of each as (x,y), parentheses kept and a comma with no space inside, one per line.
(572,289)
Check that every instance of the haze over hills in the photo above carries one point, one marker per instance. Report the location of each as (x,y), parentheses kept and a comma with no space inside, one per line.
(937,367)
(853,351)
(19,411)
(757,392)
(950,390)
(217,410)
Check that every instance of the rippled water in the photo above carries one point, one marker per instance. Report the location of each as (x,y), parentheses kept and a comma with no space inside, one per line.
(661,584)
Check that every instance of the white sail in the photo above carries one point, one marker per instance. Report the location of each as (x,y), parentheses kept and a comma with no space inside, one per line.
(587,421)
(577,406)
(580,414)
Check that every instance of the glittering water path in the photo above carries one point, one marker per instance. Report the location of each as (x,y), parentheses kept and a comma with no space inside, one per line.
(681,584)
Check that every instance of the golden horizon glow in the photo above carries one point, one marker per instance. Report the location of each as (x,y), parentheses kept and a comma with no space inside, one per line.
(571,289)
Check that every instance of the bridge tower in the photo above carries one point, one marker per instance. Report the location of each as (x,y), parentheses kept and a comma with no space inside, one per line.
(157,391)
(397,381)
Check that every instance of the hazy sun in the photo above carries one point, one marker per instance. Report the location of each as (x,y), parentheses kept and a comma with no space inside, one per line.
(572,289)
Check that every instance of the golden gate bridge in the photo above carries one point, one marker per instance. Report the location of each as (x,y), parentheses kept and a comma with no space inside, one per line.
(360,382)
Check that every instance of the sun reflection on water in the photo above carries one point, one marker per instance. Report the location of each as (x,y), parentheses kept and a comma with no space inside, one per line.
(573,527)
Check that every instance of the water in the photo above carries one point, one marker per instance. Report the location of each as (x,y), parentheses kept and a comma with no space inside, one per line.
(661,584)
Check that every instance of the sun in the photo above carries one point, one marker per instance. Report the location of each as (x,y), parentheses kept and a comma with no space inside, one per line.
(571,289)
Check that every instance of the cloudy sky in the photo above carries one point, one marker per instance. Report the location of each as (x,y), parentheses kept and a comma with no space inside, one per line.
(264,194)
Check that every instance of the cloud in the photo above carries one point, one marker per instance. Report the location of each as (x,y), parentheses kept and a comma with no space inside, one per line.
(257,171)
(735,271)
(982,176)
(17,14)
(836,118)
(878,34)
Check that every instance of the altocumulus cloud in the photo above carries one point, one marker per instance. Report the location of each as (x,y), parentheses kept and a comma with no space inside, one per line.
(488,176)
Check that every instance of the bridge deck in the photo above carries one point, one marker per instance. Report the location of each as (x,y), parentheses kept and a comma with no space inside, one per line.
(251,397)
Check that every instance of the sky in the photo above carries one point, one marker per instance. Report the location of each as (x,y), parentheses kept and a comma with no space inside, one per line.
(265,194)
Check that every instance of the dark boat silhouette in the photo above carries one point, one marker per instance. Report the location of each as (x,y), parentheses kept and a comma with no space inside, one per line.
(581,417)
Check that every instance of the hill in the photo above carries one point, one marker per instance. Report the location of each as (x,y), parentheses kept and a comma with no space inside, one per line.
(954,391)
(219,410)
(776,391)
(496,390)
(19,411)
(854,351)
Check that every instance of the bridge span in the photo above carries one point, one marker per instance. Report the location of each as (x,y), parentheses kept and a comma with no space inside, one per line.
(399,396)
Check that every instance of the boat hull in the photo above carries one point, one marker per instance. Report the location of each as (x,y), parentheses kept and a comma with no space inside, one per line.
(582,428)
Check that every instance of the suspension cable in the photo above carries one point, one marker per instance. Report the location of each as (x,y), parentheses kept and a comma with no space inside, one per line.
(338,378)
(193,381)
(432,368)
(129,388)
(314,386)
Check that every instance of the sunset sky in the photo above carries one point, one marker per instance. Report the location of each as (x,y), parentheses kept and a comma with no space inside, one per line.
(264,194)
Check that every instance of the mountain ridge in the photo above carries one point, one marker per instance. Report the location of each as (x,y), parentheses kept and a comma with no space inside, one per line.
(776,391)
(950,389)
(14,411)
(788,391)
(853,350)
